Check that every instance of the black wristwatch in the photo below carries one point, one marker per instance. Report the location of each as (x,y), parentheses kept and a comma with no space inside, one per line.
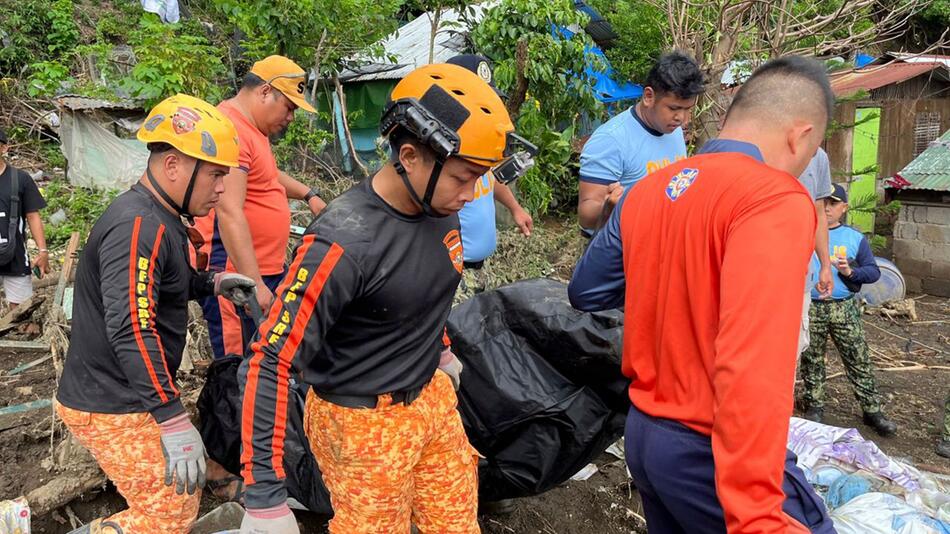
(310,194)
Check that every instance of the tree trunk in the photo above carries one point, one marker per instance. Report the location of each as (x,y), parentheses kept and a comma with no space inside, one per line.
(435,19)
(346,125)
(517,97)
(714,102)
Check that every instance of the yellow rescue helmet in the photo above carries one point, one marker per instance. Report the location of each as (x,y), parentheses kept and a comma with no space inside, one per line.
(452,110)
(194,127)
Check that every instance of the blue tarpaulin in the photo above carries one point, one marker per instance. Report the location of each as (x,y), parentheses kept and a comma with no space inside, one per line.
(862,60)
(606,87)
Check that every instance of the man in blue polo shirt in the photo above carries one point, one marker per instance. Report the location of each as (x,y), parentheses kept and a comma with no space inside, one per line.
(640,140)
(477,218)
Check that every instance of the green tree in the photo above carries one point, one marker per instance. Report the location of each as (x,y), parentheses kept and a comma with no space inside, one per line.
(434,11)
(721,31)
(543,71)
(311,32)
(642,36)
(170,60)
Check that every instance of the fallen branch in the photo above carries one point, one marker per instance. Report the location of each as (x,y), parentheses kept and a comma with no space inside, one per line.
(9,319)
(51,279)
(64,489)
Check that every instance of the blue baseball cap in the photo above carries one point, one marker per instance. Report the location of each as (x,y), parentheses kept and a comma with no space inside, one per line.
(839,194)
(479,65)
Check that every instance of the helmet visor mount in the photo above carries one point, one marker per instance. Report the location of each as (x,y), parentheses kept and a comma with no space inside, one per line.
(519,158)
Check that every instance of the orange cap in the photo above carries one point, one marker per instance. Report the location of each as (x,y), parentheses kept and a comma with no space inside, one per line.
(285,76)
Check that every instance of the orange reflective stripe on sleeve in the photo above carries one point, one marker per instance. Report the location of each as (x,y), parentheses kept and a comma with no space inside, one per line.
(286,356)
(298,278)
(151,307)
(137,306)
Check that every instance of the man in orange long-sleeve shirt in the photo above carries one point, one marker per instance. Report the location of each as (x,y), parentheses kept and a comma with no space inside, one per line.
(709,257)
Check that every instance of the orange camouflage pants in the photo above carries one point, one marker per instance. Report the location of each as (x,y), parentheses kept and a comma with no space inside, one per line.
(394,464)
(129,450)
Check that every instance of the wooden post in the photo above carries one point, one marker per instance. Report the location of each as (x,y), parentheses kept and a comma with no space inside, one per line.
(67,270)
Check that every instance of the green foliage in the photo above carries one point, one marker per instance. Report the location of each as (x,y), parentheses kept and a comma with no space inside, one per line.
(871,203)
(300,137)
(64,34)
(172,60)
(81,206)
(296,28)
(555,66)
(558,91)
(878,243)
(551,182)
(23,34)
(46,78)
(642,36)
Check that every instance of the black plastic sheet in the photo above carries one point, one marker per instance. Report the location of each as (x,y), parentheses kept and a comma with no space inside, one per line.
(541,396)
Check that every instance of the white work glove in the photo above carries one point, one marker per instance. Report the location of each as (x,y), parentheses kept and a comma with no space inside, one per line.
(184,454)
(450,365)
(235,287)
(276,520)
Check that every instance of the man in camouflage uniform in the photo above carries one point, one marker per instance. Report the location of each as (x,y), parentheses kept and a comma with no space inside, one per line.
(943,447)
(840,317)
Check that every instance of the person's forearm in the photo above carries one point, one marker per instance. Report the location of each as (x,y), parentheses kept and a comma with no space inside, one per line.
(589,213)
(36,229)
(822,249)
(506,196)
(236,236)
(295,188)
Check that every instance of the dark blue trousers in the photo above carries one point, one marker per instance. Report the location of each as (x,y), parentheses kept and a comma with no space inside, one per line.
(219,330)
(672,467)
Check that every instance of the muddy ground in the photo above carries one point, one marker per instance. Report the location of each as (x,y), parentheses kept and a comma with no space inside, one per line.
(605,503)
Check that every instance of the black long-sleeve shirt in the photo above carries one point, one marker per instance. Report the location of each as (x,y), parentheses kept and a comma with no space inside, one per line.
(130,311)
(361,312)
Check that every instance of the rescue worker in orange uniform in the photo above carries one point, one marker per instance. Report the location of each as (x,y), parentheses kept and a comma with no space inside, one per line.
(248,230)
(361,316)
(117,394)
(708,257)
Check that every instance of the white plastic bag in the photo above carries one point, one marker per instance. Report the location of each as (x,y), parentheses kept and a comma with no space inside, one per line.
(880,513)
(15,516)
(167,9)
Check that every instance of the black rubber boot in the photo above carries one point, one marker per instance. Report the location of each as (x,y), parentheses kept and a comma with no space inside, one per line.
(882,425)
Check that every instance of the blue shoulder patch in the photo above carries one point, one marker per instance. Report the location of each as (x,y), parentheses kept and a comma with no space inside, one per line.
(681,182)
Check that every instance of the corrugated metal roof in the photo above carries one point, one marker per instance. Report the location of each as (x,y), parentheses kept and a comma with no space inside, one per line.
(410,47)
(921,58)
(873,77)
(80,103)
(930,170)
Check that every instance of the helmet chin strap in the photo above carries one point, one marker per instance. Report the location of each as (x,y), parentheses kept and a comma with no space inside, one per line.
(182,208)
(425,202)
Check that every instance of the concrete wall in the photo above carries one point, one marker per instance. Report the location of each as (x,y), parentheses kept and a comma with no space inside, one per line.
(922,247)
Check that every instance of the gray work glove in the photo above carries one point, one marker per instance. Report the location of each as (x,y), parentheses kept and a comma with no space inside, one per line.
(276,520)
(235,287)
(184,455)
(450,365)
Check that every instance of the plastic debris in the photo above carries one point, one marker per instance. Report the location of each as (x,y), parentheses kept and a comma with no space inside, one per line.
(588,471)
(15,516)
(616,449)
